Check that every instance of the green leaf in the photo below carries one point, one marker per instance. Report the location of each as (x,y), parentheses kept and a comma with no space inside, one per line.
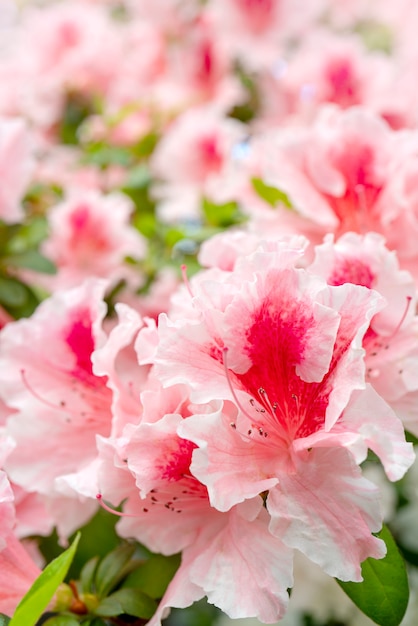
(98,538)
(139,177)
(145,147)
(221,215)
(62,620)
(103,156)
(12,292)
(28,236)
(411,438)
(33,260)
(383,595)
(87,574)
(4,620)
(111,569)
(153,576)
(127,601)
(271,195)
(39,595)
(17,298)
(76,110)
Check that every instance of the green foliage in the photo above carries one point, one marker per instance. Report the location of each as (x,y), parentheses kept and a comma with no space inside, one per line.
(31,259)
(32,605)
(103,155)
(376,36)
(87,574)
(200,613)
(271,195)
(383,595)
(4,620)
(145,147)
(12,292)
(127,601)
(245,111)
(16,297)
(154,575)
(19,250)
(221,215)
(112,569)
(62,620)
(77,109)
(98,538)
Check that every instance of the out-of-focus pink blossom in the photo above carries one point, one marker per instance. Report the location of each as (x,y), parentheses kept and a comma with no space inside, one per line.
(15,168)
(334,174)
(90,234)
(255,31)
(191,160)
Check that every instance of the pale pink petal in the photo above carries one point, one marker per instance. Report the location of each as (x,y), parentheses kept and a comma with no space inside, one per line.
(7,509)
(328,511)
(17,574)
(117,360)
(181,592)
(243,569)
(47,377)
(380,430)
(232,466)
(15,168)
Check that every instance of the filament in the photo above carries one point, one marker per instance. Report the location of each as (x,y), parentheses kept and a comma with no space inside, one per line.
(109,509)
(186,279)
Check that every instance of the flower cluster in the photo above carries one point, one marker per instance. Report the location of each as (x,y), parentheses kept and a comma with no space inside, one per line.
(208,289)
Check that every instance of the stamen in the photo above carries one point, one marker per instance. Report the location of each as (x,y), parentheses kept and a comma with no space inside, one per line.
(186,279)
(263,394)
(401,321)
(234,395)
(107,508)
(296,399)
(56,407)
(377,344)
(268,416)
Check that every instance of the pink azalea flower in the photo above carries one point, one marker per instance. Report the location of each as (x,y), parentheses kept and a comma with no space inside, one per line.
(222,552)
(90,234)
(324,68)
(191,159)
(255,31)
(65,42)
(335,173)
(15,168)
(286,349)
(399,203)
(390,341)
(47,378)
(117,360)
